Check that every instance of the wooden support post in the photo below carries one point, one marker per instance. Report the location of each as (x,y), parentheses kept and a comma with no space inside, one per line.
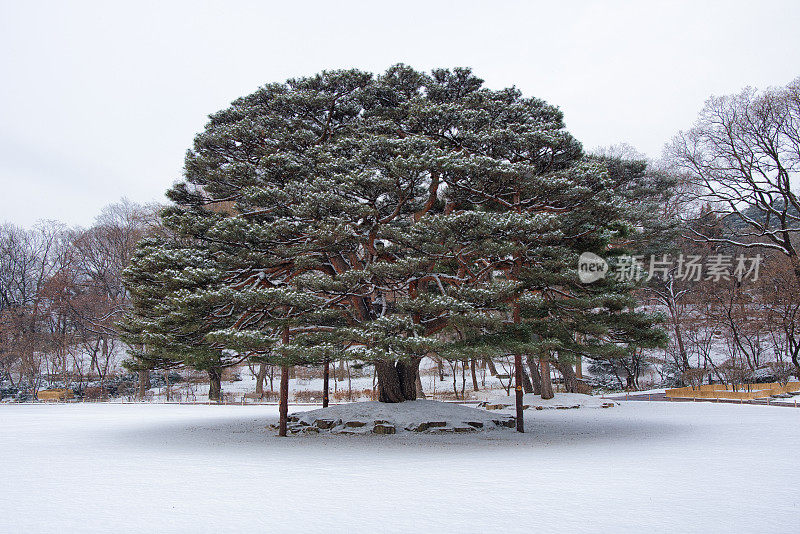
(325,380)
(518,391)
(283,408)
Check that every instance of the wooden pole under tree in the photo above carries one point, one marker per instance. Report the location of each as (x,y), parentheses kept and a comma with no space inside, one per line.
(283,408)
(518,390)
(517,320)
(325,379)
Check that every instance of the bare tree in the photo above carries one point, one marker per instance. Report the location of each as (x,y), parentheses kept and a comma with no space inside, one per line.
(743,157)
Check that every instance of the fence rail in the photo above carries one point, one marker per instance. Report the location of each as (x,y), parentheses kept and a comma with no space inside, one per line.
(738,392)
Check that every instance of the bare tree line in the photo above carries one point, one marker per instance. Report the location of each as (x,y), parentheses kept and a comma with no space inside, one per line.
(61,294)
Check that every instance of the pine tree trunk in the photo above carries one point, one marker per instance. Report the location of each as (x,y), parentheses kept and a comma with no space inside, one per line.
(547,384)
(397,380)
(260,378)
(340,371)
(283,406)
(526,382)
(492,368)
(533,367)
(570,380)
(463,379)
(325,381)
(630,381)
(144,382)
(215,384)
(420,392)
(271,378)
(472,369)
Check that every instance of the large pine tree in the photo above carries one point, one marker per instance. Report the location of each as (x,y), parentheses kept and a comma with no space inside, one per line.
(385,218)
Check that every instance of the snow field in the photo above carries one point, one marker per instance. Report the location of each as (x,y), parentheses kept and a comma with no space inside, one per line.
(644,466)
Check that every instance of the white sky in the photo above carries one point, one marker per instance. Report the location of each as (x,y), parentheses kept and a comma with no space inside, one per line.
(100,101)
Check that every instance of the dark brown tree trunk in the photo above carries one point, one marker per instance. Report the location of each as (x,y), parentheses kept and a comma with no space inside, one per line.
(547,384)
(533,366)
(463,378)
(630,381)
(570,380)
(271,378)
(420,392)
(325,381)
(472,369)
(492,368)
(517,318)
(454,367)
(260,378)
(397,380)
(518,391)
(215,384)
(144,382)
(283,405)
(526,382)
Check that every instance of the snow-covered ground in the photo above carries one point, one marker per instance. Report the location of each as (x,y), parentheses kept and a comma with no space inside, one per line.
(678,467)
(561,400)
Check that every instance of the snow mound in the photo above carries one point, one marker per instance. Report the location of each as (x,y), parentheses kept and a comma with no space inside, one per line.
(390,418)
(561,401)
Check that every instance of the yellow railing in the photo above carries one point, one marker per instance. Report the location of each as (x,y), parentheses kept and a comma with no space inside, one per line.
(54,394)
(741,392)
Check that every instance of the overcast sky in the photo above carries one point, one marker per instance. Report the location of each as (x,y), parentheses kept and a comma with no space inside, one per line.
(100,100)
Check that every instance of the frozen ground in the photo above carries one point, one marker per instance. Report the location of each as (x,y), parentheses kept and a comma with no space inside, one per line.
(644,466)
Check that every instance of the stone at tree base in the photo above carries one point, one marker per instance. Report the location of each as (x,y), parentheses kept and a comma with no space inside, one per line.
(417,427)
(355,424)
(326,424)
(410,416)
(508,423)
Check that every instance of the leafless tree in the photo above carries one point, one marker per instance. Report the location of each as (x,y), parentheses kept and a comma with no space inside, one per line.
(743,157)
